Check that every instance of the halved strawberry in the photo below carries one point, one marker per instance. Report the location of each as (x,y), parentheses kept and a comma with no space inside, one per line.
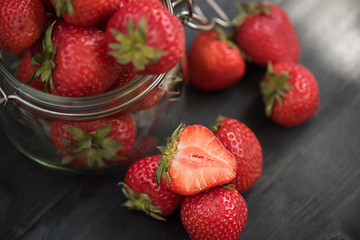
(194,160)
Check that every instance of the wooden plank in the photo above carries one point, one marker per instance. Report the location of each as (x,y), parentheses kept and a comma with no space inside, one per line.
(310,184)
(315,189)
(27,191)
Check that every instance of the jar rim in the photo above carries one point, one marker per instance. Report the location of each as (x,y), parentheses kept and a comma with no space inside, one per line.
(76,107)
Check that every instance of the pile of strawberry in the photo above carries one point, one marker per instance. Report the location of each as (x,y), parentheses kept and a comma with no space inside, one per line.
(80,48)
(264,35)
(202,171)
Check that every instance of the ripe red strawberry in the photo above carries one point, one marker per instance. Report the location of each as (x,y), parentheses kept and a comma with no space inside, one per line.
(22,23)
(103,23)
(144,194)
(184,66)
(75,62)
(26,71)
(150,100)
(123,79)
(94,143)
(215,62)
(145,38)
(219,213)
(241,141)
(194,160)
(143,147)
(124,2)
(267,34)
(290,93)
(85,12)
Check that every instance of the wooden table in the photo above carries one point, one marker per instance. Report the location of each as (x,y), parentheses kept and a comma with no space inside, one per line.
(310,187)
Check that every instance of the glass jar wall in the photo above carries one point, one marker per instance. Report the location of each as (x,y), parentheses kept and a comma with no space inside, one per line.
(122,125)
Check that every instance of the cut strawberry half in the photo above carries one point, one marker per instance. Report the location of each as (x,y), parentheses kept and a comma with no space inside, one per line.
(194,160)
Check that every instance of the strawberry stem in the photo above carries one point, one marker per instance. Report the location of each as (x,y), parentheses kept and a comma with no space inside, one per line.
(141,202)
(168,153)
(275,88)
(228,186)
(93,147)
(132,48)
(249,8)
(223,36)
(63,6)
(46,60)
(217,123)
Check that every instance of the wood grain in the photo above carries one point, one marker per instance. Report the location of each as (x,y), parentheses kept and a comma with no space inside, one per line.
(310,187)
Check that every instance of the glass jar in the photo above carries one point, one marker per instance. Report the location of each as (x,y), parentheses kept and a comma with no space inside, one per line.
(29,117)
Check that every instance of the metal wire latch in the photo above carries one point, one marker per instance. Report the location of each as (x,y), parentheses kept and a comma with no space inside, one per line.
(4,99)
(194,18)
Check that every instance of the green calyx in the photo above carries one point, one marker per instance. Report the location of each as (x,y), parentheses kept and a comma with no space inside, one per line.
(217,124)
(168,153)
(132,48)
(46,60)
(228,186)
(141,202)
(63,6)
(274,89)
(93,147)
(223,36)
(249,8)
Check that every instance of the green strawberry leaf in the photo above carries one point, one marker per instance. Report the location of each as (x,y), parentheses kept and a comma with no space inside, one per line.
(274,89)
(110,148)
(94,147)
(217,123)
(76,133)
(132,48)
(168,153)
(63,6)
(249,8)
(103,131)
(46,60)
(141,202)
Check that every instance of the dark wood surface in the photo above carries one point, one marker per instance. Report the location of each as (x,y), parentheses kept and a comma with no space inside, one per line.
(310,187)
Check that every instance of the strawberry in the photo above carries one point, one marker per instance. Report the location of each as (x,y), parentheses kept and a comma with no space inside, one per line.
(94,143)
(144,194)
(124,2)
(145,38)
(194,160)
(184,67)
(219,213)
(143,147)
(149,100)
(75,63)
(26,71)
(290,93)
(215,62)
(244,145)
(103,23)
(22,23)
(85,12)
(123,79)
(267,34)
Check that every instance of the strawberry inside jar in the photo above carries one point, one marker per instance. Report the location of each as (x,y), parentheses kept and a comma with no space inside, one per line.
(94,88)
